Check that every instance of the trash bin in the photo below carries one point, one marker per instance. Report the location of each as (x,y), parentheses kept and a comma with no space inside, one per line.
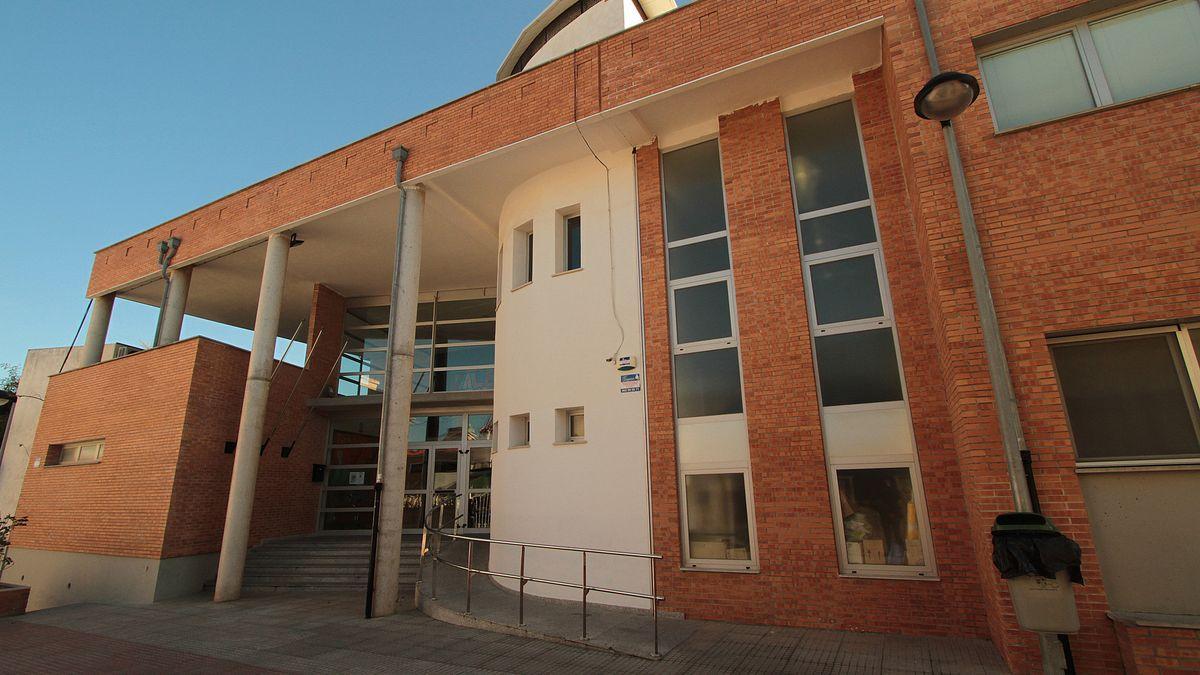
(1040,565)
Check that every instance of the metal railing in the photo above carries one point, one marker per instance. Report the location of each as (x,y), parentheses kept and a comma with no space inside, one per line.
(523,578)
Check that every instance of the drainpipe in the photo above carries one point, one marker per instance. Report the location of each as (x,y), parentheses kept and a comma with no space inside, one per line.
(1002,389)
(1009,416)
(397,397)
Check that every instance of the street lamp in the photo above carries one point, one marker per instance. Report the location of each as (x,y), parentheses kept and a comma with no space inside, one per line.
(945,96)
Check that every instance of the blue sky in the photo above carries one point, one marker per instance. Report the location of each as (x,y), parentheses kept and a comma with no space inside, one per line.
(118,115)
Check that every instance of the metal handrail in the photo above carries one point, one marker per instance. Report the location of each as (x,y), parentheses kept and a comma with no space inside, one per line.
(523,578)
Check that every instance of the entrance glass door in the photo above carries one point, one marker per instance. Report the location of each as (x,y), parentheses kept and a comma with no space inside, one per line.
(449,473)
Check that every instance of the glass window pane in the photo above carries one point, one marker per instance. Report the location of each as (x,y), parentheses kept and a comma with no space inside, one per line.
(708,383)
(353,456)
(424,335)
(702,313)
(414,511)
(1151,50)
(845,290)
(1128,398)
(480,469)
(69,455)
(424,311)
(858,367)
(445,469)
(574,243)
(356,385)
(366,338)
(435,428)
(477,355)
(415,470)
(355,431)
(476,308)
(347,520)
(349,499)
(349,477)
(479,427)
(827,163)
(463,380)
(879,517)
(695,259)
(421,359)
(366,316)
(422,381)
(1036,82)
(838,230)
(479,509)
(718,522)
(692,190)
(482,331)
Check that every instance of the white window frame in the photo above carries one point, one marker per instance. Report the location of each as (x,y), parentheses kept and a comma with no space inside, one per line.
(925,571)
(76,448)
(562,426)
(520,422)
(523,267)
(750,566)
(929,569)
(1081,33)
(562,253)
(1191,363)
(734,342)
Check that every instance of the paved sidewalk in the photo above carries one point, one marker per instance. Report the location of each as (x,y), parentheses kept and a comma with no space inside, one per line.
(324,632)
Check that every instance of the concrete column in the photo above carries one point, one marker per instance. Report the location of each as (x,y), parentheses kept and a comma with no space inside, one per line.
(93,344)
(397,401)
(171,313)
(250,429)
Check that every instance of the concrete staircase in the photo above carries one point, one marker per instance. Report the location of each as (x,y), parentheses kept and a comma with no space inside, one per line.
(325,562)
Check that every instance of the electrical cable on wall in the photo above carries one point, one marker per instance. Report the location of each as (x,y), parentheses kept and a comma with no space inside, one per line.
(612,271)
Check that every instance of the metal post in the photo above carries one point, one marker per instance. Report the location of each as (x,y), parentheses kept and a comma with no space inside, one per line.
(470,550)
(654,602)
(236,536)
(585,590)
(521,591)
(93,343)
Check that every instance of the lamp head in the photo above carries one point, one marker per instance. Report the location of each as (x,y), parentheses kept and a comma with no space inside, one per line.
(945,96)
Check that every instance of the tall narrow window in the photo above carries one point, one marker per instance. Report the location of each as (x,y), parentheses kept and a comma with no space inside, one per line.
(713,454)
(874,481)
(522,260)
(571,243)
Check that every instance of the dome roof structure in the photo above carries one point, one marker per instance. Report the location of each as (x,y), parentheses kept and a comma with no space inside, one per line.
(567,25)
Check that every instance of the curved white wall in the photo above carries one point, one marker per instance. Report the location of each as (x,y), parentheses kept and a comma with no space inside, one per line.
(553,337)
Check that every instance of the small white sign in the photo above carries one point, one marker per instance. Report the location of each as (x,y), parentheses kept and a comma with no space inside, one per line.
(357,478)
(631,382)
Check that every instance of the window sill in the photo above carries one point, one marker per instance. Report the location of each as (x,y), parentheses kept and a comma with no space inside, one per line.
(1098,109)
(566,272)
(895,576)
(752,569)
(519,447)
(582,441)
(1190,464)
(518,287)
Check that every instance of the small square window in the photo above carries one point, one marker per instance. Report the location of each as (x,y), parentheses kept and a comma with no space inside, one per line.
(569,425)
(518,431)
(570,242)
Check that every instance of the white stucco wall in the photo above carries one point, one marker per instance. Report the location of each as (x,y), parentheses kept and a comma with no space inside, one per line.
(607,18)
(553,338)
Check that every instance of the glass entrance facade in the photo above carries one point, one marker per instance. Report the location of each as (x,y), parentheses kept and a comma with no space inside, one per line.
(449,472)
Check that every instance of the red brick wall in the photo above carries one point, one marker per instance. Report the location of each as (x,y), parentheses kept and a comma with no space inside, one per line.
(137,404)
(285,499)
(161,488)
(799,583)
(1158,650)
